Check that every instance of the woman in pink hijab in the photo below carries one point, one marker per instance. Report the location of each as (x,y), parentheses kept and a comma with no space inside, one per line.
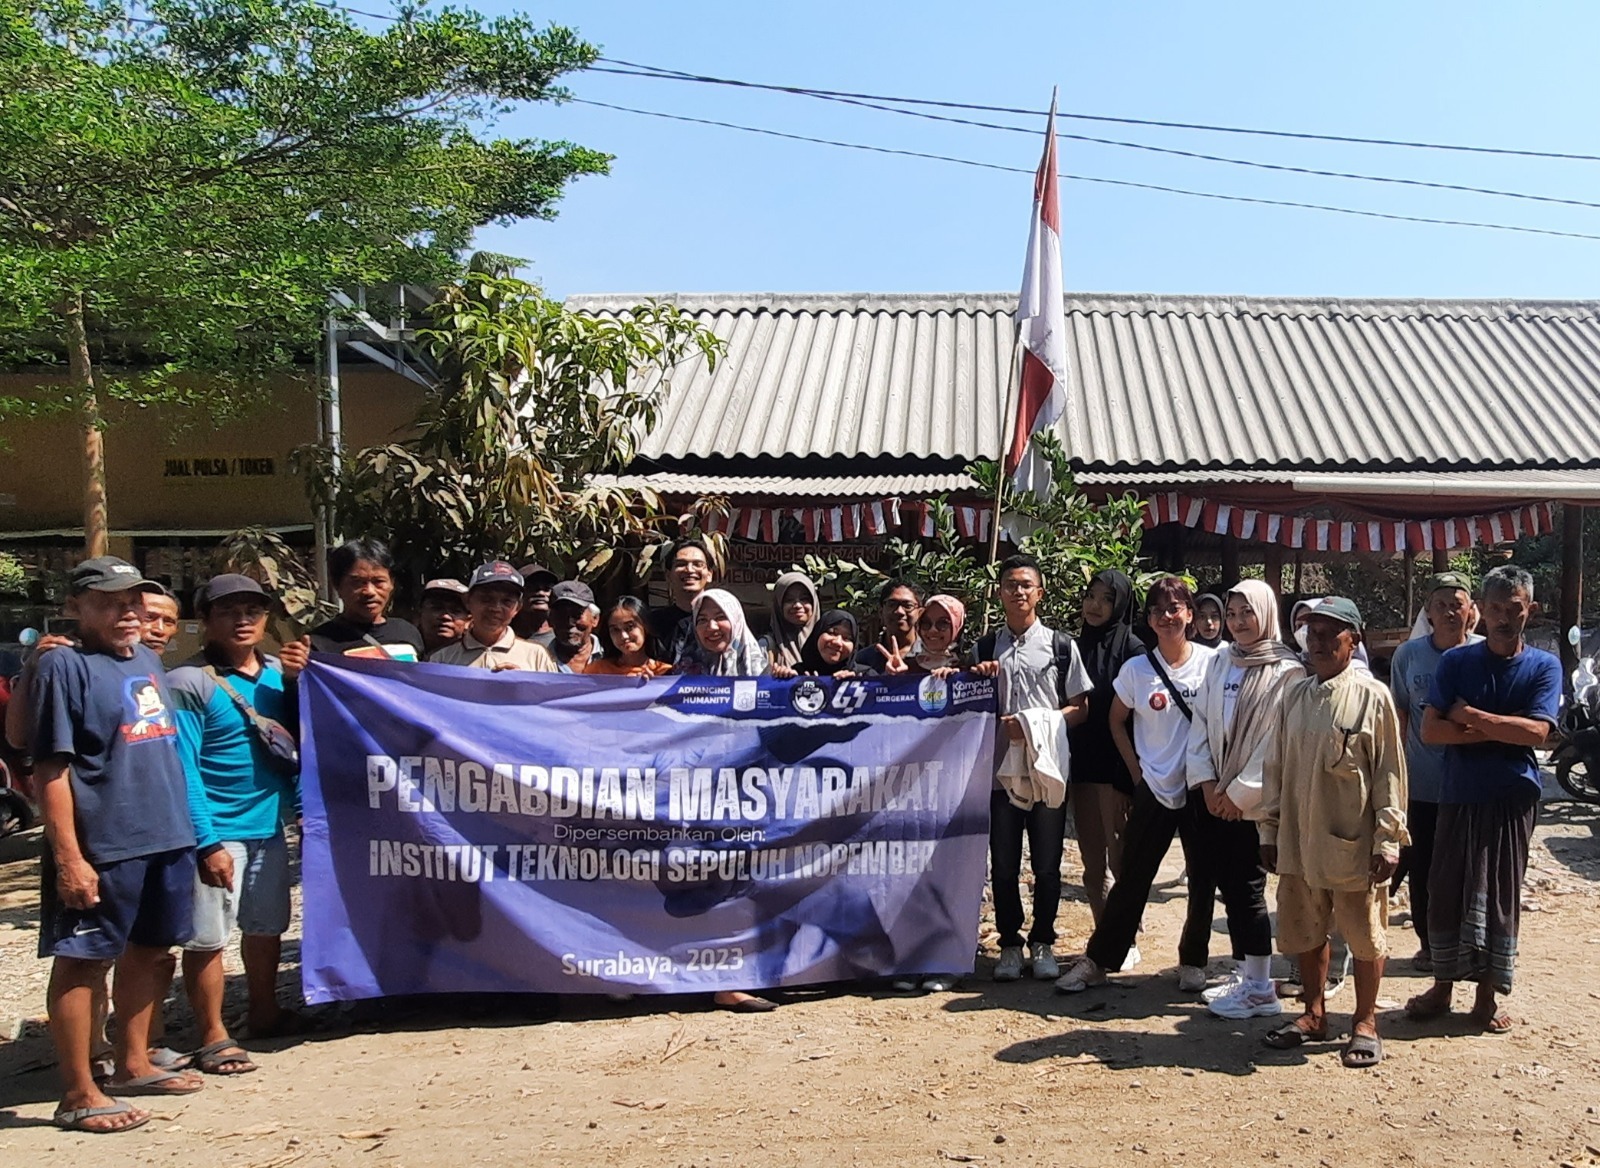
(938,635)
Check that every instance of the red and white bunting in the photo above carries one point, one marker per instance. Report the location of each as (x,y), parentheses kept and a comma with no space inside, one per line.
(1383,536)
(851,522)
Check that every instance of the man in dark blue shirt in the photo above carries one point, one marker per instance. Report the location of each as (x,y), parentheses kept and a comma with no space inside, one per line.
(118,872)
(1491,703)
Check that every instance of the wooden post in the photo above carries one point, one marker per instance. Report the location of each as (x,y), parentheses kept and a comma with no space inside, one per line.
(1230,561)
(1411,585)
(1571,580)
(1441,560)
(1299,571)
(1274,567)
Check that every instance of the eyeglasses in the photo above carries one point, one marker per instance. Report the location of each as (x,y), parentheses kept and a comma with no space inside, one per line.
(900,605)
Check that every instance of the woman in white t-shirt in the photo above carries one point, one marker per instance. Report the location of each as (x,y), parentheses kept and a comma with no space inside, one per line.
(1155,692)
(1234,721)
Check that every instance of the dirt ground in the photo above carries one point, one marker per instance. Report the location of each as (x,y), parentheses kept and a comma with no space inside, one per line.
(993,1075)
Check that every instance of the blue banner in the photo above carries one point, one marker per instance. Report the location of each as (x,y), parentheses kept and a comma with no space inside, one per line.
(507,832)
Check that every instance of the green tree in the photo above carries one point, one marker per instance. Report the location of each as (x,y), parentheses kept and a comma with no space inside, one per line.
(533,403)
(183,182)
(1071,536)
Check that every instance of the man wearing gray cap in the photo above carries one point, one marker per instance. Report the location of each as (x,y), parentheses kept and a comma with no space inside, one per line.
(442,614)
(118,872)
(232,700)
(573,617)
(1333,821)
(493,597)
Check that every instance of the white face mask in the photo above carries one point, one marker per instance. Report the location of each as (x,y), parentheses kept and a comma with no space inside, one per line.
(1300,639)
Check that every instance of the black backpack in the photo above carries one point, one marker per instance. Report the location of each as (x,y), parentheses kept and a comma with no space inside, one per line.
(1061,647)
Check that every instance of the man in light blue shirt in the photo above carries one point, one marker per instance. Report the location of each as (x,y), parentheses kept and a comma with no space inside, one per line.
(240,795)
(1452,617)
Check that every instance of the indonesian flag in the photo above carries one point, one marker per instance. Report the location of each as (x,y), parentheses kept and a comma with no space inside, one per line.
(1041,327)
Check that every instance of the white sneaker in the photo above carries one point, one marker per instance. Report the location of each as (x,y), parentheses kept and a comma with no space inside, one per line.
(1009,967)
(1227,986)
(941,983)
(1132,959)
(1248,1000)
(1083,974)
(1191,979)
(1045,966)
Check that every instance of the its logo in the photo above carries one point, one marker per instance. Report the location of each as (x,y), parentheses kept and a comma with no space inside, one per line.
(933,694)
(808,697)
(145,714)
(1158,701)
(849,697)
(744,695)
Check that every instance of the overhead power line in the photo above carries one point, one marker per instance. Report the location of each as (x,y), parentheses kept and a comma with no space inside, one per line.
(1117,182)
(657,72)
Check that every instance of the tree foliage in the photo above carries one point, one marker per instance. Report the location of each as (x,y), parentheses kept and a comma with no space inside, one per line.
(533,402)
(1071,536)
(183,182)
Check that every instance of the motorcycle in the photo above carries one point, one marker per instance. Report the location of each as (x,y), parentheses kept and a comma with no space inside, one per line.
(1577,754)
(17,814)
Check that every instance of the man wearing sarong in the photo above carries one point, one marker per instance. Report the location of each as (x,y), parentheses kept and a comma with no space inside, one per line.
(1490,705)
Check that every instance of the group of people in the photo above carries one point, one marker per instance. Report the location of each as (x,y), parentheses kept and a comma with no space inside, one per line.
(165,793)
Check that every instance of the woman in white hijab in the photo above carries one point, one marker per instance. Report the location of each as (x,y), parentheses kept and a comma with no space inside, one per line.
(720,644)
(1235,716)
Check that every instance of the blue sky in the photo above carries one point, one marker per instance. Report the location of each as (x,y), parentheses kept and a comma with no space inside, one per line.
(695,208)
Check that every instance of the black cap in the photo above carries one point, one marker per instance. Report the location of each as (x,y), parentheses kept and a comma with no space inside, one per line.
(496,572)
(530,571)
(109,574)
(573,592)
(228,584)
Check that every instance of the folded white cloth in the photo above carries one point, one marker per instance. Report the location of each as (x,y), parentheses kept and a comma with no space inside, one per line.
(1036,769)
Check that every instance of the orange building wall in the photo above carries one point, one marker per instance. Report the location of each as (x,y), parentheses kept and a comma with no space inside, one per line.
(156,459)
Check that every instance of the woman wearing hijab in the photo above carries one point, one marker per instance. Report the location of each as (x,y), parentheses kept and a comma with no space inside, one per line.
(794,615)
(938,635)
(1235,716)
(720,644)
(830,649)
(1208,620)
(1101,789)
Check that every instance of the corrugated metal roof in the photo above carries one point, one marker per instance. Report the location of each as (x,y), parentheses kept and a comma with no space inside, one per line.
(1525,483)
(820,487)
(1158,382)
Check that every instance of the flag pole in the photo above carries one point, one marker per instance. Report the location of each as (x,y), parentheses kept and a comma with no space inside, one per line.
(1014,375)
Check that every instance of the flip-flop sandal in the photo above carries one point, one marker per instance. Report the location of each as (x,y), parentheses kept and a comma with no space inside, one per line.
(1290,1036)
(213,1057)
(77,1119)
(1428,1009)
(1499,1024)
(155,1085)
(1362,1051)
(168,1059)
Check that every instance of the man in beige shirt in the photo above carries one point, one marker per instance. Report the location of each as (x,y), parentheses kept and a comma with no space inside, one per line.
(493,598)
(1332,825)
